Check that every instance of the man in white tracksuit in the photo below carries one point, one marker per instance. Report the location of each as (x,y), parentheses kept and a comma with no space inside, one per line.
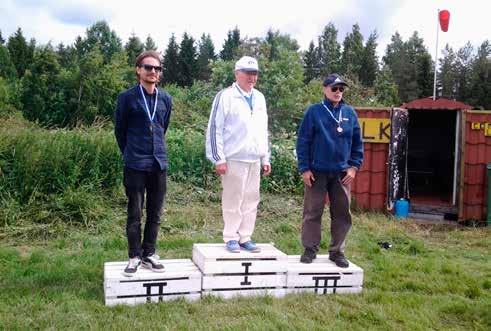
(237,144)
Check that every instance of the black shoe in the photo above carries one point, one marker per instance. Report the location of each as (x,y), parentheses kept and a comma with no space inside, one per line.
(132,267)
(152,262)
(339,259)
(308,255)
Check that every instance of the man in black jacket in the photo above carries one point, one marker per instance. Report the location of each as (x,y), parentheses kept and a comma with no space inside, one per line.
(141,120)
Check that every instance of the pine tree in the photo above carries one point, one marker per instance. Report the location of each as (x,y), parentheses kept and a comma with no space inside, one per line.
(187,61)
(386,88)
(206,56)
(404,59)
(101,35)
(464,72)
(311,63)
(447,74)
(231,45)
(369,64)
(273,47)
(275,42)
(7,67)
(2,41)
(329,51)
(66,56)
(78,45)
(150,44)
(133,48)
(425,75)
(19,52)
(421,66)
(42,92)
(481,77)
(170,65)
(351,58)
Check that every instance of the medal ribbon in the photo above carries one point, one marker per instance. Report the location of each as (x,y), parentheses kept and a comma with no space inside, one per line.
(146,105)
(334,118)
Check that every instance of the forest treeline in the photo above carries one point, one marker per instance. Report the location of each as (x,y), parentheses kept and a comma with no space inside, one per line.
(69,85)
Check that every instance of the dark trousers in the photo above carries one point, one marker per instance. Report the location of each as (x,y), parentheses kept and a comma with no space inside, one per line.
(136,183)
(313,208)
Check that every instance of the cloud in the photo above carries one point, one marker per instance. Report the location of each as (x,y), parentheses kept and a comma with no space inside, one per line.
(80,14)
(62,21)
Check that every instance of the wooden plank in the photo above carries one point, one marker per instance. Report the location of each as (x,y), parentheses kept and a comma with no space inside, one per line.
(240,282)
(141,287)
(338,290)
(215,259)
(322,275)
(320,264)
(251,292)
(181,279)
(175,268)
(136,301)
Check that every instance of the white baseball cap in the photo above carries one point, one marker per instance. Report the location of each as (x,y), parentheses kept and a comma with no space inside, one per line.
(247,63)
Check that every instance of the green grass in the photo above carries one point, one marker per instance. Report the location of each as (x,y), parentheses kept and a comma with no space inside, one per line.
(434,277)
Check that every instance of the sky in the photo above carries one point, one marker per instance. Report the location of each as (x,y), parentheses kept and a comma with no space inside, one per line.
(58,21)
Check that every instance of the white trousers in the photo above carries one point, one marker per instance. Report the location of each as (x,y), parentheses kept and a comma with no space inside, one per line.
(240,198)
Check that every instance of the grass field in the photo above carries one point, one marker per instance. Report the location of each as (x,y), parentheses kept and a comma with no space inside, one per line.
(51,273)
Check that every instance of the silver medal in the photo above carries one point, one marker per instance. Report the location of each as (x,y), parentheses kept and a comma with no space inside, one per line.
(339,129)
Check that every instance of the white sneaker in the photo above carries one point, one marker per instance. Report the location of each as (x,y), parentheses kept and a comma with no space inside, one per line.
(152,262)
(132,267)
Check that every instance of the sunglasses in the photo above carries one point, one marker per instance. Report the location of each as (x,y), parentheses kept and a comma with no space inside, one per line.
(336,88)
(149,67)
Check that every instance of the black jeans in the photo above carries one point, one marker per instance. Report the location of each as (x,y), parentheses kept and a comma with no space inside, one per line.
(136,183)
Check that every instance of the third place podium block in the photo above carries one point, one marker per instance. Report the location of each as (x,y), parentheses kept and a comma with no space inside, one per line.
(227,274)
(322,276)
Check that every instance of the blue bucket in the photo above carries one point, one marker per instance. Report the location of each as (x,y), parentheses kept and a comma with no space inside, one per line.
(402,208)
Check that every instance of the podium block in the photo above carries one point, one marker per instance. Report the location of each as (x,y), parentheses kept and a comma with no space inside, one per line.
(322,276)
(228,274)
(181,279)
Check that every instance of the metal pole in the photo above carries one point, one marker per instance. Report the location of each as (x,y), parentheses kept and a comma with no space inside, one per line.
(436,55)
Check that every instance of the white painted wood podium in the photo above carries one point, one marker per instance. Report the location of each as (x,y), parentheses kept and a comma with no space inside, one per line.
(181,279)
(217,272)
(322,276)
(228,274)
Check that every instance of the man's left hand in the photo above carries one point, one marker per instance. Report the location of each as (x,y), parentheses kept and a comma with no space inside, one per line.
(266,169)
(350,176)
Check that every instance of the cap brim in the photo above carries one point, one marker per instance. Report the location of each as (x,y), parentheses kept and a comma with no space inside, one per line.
(248,70)
(336,84)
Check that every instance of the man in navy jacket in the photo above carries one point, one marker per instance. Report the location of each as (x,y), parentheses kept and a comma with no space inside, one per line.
(330,152)
(141,120)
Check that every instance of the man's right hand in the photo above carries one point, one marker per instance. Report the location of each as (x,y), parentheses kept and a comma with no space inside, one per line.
(308,178)
(221,168)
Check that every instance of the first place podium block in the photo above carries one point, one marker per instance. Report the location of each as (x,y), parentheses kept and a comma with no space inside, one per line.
(181,279)
(322,276)
(228,274)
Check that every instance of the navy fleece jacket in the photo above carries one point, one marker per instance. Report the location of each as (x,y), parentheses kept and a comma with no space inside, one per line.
(321,147)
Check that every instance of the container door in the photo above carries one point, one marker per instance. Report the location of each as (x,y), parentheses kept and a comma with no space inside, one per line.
(397,181)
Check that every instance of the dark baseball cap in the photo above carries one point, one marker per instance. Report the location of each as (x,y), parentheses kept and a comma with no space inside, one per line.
(334,79)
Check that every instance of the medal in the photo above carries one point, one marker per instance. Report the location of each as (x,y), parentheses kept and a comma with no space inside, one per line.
(338,121)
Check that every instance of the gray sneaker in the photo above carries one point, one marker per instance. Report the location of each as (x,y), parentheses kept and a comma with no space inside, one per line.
(132,267)
(152,262)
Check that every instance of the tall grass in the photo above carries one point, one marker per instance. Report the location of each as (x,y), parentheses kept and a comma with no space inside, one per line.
(69,176)
(35,162)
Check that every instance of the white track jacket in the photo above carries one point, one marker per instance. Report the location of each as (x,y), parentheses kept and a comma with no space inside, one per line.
(235,132)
